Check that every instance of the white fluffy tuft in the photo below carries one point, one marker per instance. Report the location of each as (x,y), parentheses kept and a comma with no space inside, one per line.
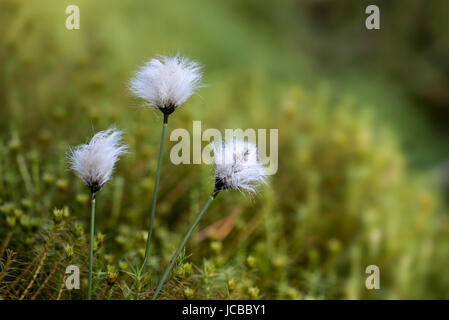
(94,162)
(237,166)
(167,81)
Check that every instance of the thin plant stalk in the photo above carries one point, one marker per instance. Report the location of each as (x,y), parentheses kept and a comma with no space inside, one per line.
(42,286)
(61,287)
(41,263)
(20,277)
(156,186)
(25,174)
(5,243)
(186,237)
(6,265)
(91,247)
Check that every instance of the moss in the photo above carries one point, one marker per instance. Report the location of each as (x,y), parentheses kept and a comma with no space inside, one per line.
(343,197)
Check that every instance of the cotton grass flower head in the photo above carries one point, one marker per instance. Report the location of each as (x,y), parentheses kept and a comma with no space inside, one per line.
(167,82)
(237,166)
(94,162)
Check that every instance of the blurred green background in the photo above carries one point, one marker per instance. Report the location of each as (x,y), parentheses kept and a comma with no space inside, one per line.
(363,148)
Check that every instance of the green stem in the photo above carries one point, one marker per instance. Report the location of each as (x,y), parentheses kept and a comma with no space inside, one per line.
(91,247)
(25,174)
(156,186)
(5,243)
(186,237)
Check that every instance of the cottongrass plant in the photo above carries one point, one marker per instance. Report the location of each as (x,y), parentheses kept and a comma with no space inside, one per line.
(94,163)
(236,167)
(165,83)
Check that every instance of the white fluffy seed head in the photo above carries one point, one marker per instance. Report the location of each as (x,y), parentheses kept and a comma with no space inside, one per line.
(237,166)
(94,162)
(167,82)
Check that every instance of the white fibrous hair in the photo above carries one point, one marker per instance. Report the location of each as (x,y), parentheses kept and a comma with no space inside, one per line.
(237,166)
(94,162)
(167,82)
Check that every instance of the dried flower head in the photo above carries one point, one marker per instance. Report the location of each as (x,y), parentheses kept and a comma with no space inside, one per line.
(94,162)
(237,166)
(167,82)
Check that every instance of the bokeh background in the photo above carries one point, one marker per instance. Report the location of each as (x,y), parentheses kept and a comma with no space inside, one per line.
(363,148)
